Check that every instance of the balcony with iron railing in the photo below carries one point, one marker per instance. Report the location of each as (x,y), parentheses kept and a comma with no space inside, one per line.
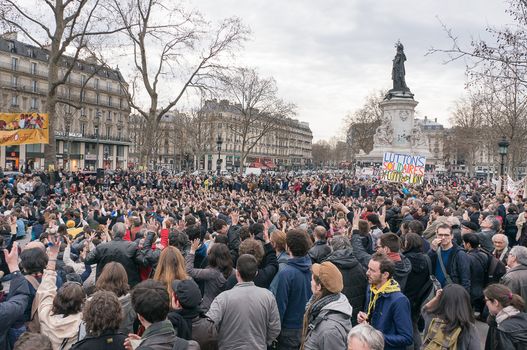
(43,73)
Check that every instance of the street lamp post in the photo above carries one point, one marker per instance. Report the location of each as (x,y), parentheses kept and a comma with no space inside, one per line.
(96,124)
(219,142)
(502,150)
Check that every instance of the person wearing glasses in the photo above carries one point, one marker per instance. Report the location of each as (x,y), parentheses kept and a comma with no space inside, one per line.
(450,263)
(507,321)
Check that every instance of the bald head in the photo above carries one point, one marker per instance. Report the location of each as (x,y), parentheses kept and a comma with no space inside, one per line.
(35,244)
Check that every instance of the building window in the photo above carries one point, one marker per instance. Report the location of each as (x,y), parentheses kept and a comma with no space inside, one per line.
(96,130)
(96,84)
(11,46)
(83,80)
(14,81)
(97,98)
(110,101)
(34,103)
(83,111)
(14,63)
(34,86)
(108,131)
(109,86)
(120,103)
(33,148)
(109,116)
(83,128)
(14,101)
(83,95)
(33,68)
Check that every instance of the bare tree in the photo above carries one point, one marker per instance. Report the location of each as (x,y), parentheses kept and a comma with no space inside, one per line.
(468,131)
(170,44)
(64,28)
(257,103)
(362,123)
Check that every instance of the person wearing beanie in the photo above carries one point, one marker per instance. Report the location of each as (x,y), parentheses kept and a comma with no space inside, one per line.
(327,320)
(188,318)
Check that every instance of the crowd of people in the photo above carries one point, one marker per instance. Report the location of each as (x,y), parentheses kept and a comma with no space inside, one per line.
(147,260)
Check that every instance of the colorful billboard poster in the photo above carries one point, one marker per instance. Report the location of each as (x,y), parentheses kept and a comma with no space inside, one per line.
(23,128)
(403,168)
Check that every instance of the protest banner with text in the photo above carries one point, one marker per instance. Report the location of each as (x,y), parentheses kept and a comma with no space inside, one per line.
(403,168)
(23,128)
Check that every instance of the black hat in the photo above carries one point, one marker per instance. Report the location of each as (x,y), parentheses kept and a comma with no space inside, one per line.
(469,224)
(187,292)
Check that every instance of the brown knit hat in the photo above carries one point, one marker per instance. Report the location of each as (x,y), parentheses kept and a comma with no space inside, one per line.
(329,276)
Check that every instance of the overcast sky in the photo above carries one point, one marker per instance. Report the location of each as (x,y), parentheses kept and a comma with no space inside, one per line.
(327,56)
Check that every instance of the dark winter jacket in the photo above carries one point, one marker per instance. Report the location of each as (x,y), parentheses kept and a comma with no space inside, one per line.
(485,239)
(195,326)
(108,340)
(161,336)
(418,283)
(457,266)
(354,278)
(266,271)
(293,291)
(478,270)
(402,270)
(319,252)
(392,317)
(123,252)
(509,334)
(12,309)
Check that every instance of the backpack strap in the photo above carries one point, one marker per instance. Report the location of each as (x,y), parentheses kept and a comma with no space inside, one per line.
(442,265)
(33,281)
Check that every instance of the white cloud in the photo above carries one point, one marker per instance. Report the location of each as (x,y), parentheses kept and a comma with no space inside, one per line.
(327,56)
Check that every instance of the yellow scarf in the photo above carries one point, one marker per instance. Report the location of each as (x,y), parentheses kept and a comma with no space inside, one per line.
(391,286)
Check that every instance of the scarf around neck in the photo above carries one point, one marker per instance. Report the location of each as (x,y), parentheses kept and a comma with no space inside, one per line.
(313,311)
(506,313)
(391,286)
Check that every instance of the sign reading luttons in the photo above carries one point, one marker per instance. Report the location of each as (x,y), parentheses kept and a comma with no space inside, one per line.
(23,128)
(404,168)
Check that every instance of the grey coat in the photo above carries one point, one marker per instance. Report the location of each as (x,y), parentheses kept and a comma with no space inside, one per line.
(331,326)
(516,280)
(213,278)
(246,317)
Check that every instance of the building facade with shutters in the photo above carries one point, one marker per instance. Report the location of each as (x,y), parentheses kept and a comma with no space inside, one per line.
(91,122)
(185,143)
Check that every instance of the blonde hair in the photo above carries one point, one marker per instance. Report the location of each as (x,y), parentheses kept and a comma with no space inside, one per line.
(278,239)
(171,267)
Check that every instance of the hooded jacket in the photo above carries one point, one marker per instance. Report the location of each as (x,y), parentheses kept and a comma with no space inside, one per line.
(330,329)
(509,334)
(402,270)
(354,278)
(319,251)
(293,290)
(418,282)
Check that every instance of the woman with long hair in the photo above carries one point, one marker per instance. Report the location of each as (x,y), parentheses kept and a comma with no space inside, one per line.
(327,320)
(507,320)
(114,279)
(171,267)
(452,324)
(215,275)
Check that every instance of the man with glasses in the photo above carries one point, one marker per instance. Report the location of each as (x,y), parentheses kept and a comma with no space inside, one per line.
(449,262)
(516,276)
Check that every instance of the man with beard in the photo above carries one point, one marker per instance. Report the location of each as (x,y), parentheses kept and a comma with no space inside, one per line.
(388,310)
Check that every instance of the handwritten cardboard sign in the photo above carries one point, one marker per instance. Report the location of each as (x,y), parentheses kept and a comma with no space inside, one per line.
(403,168)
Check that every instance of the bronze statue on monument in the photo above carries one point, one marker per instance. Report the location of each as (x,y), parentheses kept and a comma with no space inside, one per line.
(400,89)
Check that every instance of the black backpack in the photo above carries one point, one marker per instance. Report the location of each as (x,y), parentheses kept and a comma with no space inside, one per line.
(495,269)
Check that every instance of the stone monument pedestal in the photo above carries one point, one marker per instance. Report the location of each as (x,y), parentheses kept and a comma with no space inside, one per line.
(397,132)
